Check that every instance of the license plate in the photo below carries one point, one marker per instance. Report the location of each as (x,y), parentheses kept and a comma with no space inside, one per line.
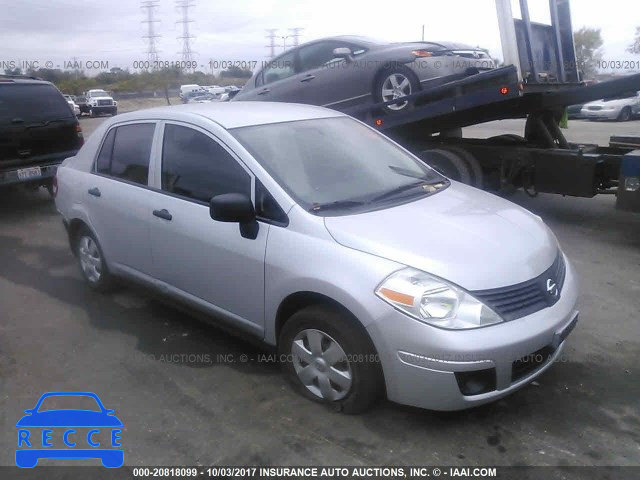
(27,173)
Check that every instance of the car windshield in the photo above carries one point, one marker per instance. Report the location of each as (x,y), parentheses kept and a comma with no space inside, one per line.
(337,163)
(69,402)
(32,103)
(99,93)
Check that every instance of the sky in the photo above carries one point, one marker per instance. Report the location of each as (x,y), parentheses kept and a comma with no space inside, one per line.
(53,32)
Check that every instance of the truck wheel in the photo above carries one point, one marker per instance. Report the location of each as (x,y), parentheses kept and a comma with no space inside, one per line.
(329,358)
(476,174)
(92,114)
(395,81)
(448,164)
(625,115)
(92,263)
(114,112)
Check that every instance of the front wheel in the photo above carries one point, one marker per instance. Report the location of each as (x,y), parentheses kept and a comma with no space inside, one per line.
(395,83)
(625,115)
(329,358)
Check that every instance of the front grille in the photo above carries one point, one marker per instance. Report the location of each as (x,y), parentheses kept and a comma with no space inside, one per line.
(525,298)
(104,102)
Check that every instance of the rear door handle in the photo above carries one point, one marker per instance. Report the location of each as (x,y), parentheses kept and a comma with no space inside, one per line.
(308,78)
(95,191)
(164,213)
(264,90)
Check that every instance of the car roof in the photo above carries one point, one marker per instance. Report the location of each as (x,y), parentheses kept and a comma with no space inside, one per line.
(233,114)
(13,79)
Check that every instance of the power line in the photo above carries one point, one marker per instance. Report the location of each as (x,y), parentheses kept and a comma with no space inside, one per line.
(187,53)
(295,34)
(272,46)
(149,6)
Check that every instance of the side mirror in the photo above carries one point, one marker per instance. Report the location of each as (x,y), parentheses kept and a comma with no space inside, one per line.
(342,52)
(235,208)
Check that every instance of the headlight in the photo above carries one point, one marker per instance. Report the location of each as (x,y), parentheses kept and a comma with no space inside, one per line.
(432,300)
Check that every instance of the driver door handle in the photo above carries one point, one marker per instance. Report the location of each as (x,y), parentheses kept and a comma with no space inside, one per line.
(264,90)
(164,213)
(308,78)
(95,191)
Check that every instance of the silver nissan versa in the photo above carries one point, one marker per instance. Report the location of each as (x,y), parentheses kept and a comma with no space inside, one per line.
(372,273)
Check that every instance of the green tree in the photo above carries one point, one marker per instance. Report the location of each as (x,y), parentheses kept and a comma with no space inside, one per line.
(635,46)
(588,42)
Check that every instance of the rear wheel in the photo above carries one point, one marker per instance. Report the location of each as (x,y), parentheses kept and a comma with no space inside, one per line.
(91,259)
(395,82)
(330,359)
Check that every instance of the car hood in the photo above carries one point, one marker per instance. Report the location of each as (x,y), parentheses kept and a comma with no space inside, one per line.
(69,418)
(614,102)
(464,235)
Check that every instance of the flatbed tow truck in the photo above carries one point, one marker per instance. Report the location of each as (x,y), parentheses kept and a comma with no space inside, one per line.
(540,81)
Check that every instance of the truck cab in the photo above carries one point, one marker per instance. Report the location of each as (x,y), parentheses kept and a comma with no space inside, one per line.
(98,101)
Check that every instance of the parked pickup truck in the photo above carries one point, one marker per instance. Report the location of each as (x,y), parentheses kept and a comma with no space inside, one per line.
(38,131)
(96,102)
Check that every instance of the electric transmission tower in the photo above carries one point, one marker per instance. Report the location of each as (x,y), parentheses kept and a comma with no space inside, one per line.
(152,52)
(272,44)
(295,34)
(187,53)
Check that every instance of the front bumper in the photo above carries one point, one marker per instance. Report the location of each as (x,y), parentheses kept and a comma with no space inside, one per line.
(104,108)
(426,367)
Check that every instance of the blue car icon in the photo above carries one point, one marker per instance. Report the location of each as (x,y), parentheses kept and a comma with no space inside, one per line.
(32,446)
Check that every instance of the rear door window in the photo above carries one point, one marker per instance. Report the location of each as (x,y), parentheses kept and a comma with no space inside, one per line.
(279,68)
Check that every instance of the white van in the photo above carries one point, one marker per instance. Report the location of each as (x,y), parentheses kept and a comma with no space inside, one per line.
(185,89)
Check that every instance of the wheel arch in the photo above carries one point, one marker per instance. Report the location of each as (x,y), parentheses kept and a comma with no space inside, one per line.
(73,228)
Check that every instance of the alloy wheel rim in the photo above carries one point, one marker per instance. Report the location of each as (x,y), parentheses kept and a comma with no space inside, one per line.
(396,86)
(90,260)
(321,365)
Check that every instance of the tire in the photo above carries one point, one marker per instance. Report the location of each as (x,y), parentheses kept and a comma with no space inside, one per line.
(508,138)
(114,113)
(50,189)
(348,386)
(625,115)
(476,175)
(92,114)
(393,82)
(448,164)
(93,267)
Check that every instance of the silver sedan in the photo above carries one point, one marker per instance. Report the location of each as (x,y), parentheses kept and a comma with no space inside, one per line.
(347,71)
(370,272)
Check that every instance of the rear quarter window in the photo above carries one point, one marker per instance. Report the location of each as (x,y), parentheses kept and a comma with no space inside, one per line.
(126,151)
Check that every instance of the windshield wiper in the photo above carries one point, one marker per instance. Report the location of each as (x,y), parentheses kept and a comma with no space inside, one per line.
(425,186)
(317,207)
(409,173)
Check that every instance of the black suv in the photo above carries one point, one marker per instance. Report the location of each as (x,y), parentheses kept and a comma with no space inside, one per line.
(38,130)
